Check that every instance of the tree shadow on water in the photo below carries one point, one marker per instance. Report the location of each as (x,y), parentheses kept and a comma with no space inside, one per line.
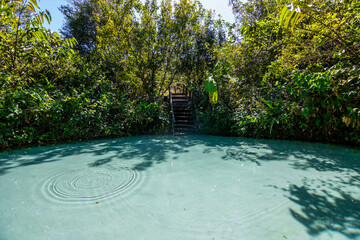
(241,155)
(34,156)
(330,209)
(147,150)
(299,155)
(326,202)
(142,166)
(156,149)
(100,162)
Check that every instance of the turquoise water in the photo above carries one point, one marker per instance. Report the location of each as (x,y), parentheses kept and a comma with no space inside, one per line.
(195,187)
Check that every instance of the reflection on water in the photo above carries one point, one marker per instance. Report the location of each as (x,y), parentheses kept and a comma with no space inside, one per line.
(195,187)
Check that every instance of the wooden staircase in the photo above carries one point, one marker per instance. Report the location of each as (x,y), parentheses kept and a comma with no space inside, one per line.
(183,118)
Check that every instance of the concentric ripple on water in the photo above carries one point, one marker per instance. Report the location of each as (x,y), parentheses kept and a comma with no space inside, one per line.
(91,184)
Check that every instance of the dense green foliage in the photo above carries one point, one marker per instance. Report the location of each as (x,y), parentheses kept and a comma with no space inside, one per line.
(296,70)
(285,70)
(108,77)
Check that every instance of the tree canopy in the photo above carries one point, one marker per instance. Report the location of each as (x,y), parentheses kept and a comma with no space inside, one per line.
(285,69)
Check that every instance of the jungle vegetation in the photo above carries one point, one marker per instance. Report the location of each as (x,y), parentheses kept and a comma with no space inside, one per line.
(285,70)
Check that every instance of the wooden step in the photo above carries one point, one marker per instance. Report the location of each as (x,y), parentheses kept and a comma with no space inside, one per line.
(184,117)
(185,114)
(183,125)
(181,106)
(185,121)
(187,130)
(182,110)
(180,100)
(187,117)
(180,103)
(179,97)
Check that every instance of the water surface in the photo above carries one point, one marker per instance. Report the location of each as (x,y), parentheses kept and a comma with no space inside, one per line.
(195,187)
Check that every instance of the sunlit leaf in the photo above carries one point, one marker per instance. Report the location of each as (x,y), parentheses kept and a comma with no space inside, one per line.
(2,36)
(30,6)
(47,18)
(214,97)
(48,15)
(34,2)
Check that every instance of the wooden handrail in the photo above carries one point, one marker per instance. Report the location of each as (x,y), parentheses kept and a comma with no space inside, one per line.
(196,114)
(172,111)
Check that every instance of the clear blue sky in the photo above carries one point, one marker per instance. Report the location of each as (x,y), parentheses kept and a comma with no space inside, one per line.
(220,6)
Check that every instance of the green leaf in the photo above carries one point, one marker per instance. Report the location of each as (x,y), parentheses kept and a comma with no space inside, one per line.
(271,126)
(210,85)
(211,88)
(31,7)
(298,18)
(267,103)
(37,19)
(2,36)
(289,18)
(37,35)
(48,16)
(214,97)
(283,14)
(34,3)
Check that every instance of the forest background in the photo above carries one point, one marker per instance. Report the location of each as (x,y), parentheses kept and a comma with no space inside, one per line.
(284,70)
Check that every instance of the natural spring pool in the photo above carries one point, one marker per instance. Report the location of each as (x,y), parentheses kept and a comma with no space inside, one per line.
(192,187)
